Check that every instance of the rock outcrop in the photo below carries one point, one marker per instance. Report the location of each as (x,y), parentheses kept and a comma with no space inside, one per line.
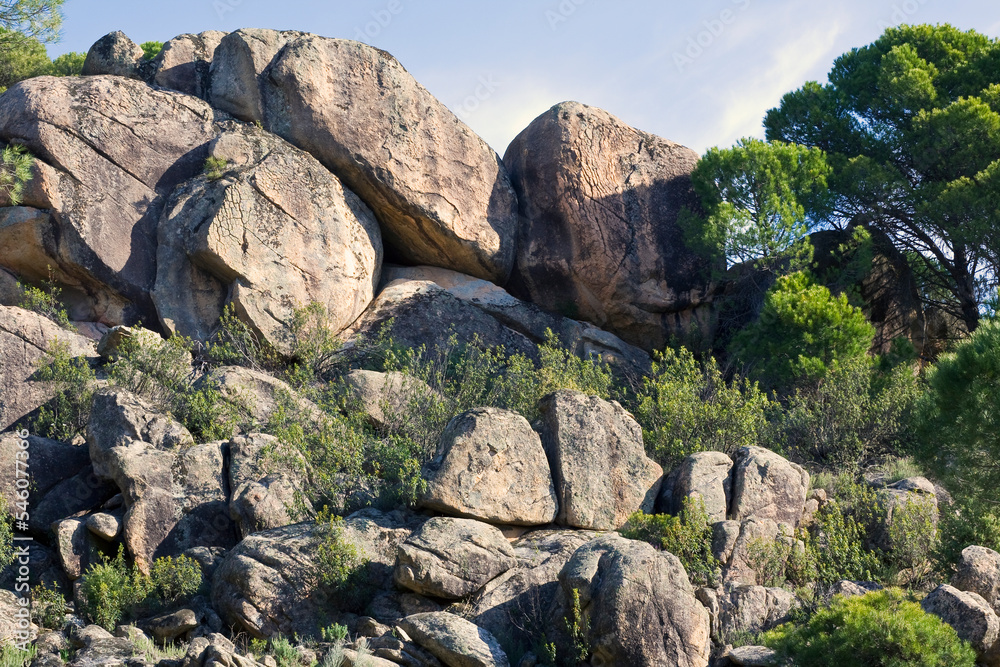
(26,339)
(599,239)
(440,192)
(95,137)
(174,490)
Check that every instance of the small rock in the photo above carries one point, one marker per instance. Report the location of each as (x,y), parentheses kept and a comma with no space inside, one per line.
(753,656)
(105,526)
(169,627)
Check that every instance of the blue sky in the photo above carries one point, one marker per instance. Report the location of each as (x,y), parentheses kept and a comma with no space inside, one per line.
(701,74)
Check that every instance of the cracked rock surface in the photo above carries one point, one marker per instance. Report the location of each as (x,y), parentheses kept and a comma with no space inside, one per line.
(272,231)
(598,237)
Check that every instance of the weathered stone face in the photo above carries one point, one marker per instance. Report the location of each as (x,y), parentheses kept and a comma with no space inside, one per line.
(274,233)
(112,149)
(598,237)
(638,604)
(491,466)
(439,191)
(600,469)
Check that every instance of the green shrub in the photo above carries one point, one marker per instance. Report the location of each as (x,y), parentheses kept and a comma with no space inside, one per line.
(882,629)
(963,524)
(802,334)
(315,346)
(857,411)
(838,538)
(174,580)
(334,633)
(12,656)
(68,412)
(151,49)
(234,343)
(687,536)
(340,567)
(48,607)
(686,407)
(111,591)
(912,539)
(161,372)
(215,168)
(45,300)
(958,418)
(769,560)
(285,654)
(6,535)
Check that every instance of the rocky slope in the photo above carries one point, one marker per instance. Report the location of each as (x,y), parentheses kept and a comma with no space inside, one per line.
(261,171)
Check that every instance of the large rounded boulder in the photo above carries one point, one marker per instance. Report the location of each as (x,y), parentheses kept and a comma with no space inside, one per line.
(599,239)
(109,151)
(440,192)
(269,232)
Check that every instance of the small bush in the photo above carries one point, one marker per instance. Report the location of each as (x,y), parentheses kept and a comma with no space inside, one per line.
(687,536)
(48,607)
(6,535)
(12,656)
(334,633)
(151,49)
(686,407)
(912,538)
(803,332)
(215,168)
(285,654)
(174,580)
(855,412)
(340,567)
(235,343)
(68,412)
(161,372)
(45,300)
(111,590)
(882,629)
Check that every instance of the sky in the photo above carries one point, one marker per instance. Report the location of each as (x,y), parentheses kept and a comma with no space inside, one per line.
(699,73)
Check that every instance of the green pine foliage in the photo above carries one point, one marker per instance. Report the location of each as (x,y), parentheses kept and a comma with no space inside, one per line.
(802,334)
(958,418)
(882,629)
(760,199)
